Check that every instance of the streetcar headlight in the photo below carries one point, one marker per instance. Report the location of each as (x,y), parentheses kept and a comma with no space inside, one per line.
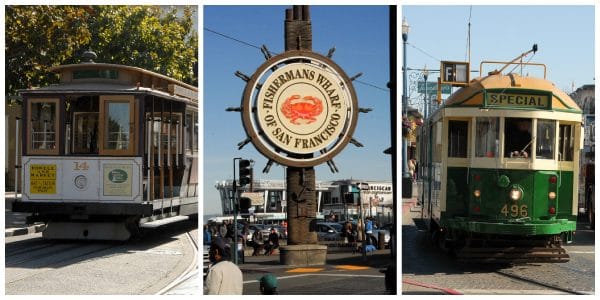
(552,195)
(515,194)
(81,182)
(477,193)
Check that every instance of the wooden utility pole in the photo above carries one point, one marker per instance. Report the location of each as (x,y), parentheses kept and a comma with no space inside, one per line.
(301,192)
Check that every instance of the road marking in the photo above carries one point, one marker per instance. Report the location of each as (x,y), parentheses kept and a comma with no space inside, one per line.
(320,274)
(305,270)
(581,252)
(352,268)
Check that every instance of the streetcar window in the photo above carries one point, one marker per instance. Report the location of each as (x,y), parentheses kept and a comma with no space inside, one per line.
(43,134)
(188,130)
(117,119)
(85,125)
(457,138)
(117,127)
(546,135)
(191,129)
(565,142)
(517,137)
(486,137)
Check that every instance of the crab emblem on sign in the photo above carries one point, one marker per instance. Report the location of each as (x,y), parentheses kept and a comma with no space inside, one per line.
(305,108)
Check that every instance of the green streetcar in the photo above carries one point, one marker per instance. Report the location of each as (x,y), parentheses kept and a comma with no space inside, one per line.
(500,163)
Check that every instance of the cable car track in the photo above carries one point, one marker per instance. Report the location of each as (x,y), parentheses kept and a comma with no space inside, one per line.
(188,274)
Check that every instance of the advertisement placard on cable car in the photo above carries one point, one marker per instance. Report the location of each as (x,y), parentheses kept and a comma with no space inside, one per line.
(510,98)
(117,180)
(42,179)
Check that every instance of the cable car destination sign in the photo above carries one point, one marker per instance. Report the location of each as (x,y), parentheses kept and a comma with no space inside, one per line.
(299,109)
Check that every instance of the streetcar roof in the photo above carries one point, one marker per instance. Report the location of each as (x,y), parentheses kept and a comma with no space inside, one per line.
(91,77)
(103,88)
(474,93)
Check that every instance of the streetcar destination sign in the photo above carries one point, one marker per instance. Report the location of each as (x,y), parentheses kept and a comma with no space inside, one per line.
(518,100)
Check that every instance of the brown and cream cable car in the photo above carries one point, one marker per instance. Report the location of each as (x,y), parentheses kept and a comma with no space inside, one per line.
(107,150)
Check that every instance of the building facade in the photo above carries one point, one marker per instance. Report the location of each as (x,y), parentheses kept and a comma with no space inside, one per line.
(338,199)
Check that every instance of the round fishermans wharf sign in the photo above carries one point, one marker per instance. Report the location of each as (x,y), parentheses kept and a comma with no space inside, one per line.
(299,109)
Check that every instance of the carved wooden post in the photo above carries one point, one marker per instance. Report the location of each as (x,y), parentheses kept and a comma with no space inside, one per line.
(301,193)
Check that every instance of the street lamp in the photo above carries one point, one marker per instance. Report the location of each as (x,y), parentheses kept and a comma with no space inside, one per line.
(426,106)
(406,178)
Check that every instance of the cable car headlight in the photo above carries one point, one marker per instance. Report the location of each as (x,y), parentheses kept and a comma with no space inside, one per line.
(477,193)
(516,193)
(552,195)
(81,182)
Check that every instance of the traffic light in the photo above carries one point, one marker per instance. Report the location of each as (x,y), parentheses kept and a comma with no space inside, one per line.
(245,204)
(245,172)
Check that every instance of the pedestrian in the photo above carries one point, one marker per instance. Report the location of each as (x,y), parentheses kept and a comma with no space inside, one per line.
(411,169)
(350,235)
(257,242)
(268,285)
(240,249)
(223,229)
(272,242)
(224,277)
(369,230)
(207,235)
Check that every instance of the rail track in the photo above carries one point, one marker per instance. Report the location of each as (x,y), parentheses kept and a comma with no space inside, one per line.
(187,279)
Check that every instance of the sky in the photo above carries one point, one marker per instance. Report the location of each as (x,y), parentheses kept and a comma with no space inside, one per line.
(360,36)
(564,35)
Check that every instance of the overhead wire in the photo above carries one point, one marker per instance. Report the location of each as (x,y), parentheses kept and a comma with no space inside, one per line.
(275,53)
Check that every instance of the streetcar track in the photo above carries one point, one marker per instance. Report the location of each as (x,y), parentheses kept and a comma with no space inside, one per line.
(537,282)
(188,273)
(39,257)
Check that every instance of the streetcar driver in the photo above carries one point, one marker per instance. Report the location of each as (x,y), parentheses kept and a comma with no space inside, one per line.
(517,138)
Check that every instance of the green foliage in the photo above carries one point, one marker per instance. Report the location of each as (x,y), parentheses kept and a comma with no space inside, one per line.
(150,37)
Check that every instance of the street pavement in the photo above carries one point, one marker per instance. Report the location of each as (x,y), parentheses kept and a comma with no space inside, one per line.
(345,273)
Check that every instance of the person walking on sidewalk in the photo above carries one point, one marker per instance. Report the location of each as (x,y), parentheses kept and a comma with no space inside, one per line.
(224,277)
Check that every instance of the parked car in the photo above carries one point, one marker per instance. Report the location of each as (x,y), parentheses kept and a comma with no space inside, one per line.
(328,231)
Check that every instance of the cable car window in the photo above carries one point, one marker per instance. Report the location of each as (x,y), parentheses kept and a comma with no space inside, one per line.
(195,128)
(42,131)
(517,137)
(457,138)
(486,137)
(117,118)
(546,136)
(117,126)
(565,142)
(189,124)
(85,125)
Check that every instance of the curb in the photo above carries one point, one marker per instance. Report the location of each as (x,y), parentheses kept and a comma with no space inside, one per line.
(24,231)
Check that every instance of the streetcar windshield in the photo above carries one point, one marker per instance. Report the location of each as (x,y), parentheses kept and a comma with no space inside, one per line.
(486,139)
(546,135)
(517,137)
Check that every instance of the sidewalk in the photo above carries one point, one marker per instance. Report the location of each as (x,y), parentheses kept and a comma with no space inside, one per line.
(14,223)
(409,204)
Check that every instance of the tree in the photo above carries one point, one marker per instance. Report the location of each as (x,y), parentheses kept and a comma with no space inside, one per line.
(149,37)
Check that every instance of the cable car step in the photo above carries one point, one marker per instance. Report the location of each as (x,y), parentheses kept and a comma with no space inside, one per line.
(161,222)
